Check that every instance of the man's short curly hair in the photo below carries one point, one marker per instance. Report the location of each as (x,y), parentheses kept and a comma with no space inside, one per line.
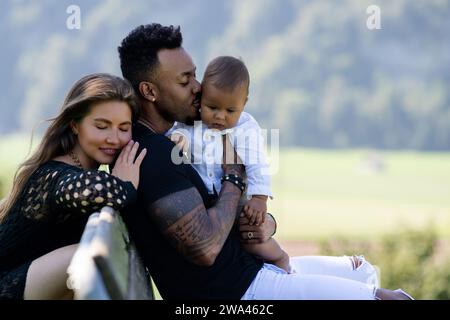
(138,52)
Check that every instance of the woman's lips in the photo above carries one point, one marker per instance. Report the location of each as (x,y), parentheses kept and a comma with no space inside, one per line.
(109,151)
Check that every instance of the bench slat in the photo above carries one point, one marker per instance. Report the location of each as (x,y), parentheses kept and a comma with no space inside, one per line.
(106,264)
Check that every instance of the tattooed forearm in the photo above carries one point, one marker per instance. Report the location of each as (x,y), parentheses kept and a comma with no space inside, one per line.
(170,209)
(192,234)
(228,203)
(197,233)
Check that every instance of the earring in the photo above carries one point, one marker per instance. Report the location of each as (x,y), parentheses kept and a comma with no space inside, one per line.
(153,99)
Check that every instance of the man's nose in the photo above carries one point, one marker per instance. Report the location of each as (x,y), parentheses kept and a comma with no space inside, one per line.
(197,87)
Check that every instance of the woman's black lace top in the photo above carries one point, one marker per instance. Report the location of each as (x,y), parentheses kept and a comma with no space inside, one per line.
(53,209)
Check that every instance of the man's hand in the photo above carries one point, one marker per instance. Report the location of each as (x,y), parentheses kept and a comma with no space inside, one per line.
(258,234)
(255,209)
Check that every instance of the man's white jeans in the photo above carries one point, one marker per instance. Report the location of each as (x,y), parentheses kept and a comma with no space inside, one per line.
(315,278)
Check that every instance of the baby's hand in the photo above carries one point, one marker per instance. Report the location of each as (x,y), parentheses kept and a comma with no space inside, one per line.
(255,210)
(181,141)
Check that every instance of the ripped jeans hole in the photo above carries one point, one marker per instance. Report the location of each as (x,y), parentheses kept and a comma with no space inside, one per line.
(356,261)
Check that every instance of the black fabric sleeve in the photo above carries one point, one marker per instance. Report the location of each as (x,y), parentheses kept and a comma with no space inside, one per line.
(88,191)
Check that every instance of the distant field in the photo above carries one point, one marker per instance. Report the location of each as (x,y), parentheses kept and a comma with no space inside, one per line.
(322,194)
(13,150)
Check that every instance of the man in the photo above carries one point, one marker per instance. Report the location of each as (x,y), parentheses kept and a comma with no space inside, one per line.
(190,245)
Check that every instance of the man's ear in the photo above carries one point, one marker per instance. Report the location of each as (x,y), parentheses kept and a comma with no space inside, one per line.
(148,91)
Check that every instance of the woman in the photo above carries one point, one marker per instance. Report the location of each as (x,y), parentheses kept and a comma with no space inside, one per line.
(56,189)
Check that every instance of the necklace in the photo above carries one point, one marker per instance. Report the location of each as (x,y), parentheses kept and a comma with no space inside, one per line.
(75,159)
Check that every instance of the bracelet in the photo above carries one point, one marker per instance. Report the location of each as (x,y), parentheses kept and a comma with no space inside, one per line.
(234,179)
(275,230)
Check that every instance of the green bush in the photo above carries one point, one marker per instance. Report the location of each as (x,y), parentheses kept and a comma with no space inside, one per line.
(407,259)
(436,284)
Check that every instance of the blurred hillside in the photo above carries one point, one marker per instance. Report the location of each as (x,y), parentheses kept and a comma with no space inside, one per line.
(317,72)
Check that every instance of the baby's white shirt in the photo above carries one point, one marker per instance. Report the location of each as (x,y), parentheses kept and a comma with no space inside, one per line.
(205,147)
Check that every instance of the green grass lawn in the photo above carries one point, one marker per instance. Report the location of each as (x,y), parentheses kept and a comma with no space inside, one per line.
(321,194)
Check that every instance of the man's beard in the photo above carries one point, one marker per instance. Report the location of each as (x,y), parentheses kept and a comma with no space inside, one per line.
(190,120)
(171,116)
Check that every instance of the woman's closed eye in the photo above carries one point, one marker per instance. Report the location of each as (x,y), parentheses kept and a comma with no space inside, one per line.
(106,127)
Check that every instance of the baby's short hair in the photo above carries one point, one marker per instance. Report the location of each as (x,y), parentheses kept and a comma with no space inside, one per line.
(227,73)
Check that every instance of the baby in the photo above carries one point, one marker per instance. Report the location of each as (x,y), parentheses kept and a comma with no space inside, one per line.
(225,88)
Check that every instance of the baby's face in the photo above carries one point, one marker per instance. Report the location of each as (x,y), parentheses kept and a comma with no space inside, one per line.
(221,109)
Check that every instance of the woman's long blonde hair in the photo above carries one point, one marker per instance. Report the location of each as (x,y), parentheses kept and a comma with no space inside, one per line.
(59,139)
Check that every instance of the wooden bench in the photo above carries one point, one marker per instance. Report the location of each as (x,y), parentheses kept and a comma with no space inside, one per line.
(106,265)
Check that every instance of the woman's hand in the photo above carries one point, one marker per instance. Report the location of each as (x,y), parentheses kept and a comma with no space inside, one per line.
(256,234)
(126,167)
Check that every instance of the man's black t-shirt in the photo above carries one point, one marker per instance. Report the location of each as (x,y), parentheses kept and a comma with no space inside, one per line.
(177,278)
